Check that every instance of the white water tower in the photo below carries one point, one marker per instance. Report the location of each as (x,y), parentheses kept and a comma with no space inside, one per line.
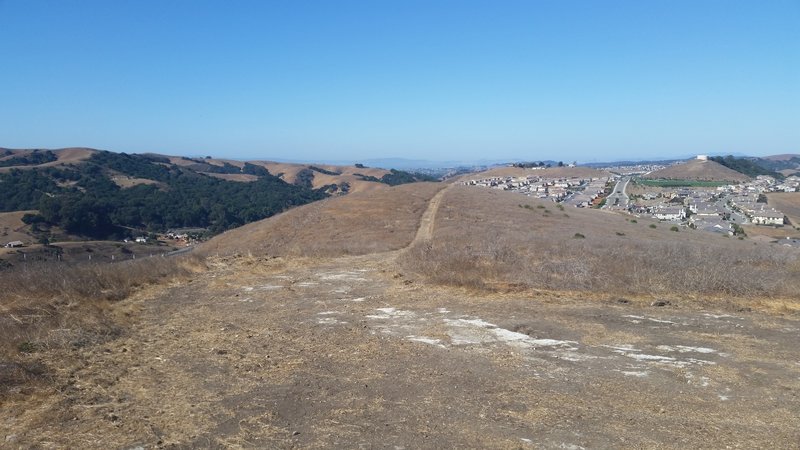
(702,157)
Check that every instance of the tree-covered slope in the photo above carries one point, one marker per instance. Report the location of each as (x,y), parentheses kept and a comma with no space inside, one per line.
(83,199)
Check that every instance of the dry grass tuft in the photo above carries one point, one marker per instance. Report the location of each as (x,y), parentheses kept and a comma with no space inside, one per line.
(56,306)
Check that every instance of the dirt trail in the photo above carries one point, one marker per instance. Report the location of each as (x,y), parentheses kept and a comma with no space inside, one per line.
(427,222)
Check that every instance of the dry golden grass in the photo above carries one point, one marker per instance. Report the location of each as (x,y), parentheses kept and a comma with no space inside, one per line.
(553,172)
(125,181)
(788,203)
(698,170)
(347,174)
(242,177)
(360,223)
(486,238)
(12,228)
(46,306)
(288,172)
(770,232)
(65,156)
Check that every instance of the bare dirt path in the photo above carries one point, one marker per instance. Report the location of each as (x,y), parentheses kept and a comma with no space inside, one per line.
(428,220)
(350,353)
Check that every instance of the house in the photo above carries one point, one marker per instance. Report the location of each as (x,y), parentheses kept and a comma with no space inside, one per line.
(141,240)
(14,244)
(670,213)
(767,217)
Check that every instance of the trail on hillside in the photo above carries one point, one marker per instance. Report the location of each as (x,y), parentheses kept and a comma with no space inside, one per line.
(428,219)
(348,352)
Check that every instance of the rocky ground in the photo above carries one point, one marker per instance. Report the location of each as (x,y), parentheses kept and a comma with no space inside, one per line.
(350,352)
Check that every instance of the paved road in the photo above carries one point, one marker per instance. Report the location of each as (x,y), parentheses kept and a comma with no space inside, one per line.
(618,198)
(736,216)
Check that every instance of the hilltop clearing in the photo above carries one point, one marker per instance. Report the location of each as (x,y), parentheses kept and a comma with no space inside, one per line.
(466,318)
(698,170)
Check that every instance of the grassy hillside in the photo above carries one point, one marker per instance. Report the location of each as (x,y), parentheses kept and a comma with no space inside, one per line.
(748,166)
(494,239)
(550,316)
(361,223)
(498,240)
(101,194)
(698,170)
(787,164)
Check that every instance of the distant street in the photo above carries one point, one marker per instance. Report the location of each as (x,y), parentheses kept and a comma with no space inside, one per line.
(618,198)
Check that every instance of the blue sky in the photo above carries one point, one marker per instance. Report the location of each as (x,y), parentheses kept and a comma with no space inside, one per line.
(437,80)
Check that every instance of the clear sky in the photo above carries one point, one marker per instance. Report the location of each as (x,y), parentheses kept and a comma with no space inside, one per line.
(439,80)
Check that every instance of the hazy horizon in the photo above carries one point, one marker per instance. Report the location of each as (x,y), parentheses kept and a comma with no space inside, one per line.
(436,81)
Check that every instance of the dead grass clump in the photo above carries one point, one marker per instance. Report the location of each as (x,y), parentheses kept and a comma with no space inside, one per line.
(49,306)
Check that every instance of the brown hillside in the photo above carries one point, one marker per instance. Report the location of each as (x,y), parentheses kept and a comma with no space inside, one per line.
(552,172)
(12,228)
(788,203)
(698,170)
(486,237)
(287,171)
(784,157)
(290,171)
(628,334)
(381,220)
(65,156)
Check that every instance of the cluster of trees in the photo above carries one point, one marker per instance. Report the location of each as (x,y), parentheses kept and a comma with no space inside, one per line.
(304,178)
(226,168)
(83,199)
(745,166)
(528,165)
(323,171)
(396,177)
(31,159)
(791,162)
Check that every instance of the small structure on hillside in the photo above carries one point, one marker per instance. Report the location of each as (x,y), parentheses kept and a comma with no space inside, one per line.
(14,244)
(702,157)
(768,217)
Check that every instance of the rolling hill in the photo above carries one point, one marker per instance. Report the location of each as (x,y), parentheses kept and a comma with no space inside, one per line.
(551,172)
(330,324)
(786,164)
(698,170)
(101,194)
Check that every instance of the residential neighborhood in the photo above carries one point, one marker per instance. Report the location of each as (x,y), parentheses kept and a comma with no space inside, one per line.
(580,192)
(721,209)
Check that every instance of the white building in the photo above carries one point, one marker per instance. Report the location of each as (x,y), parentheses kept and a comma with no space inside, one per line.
(670,213)
(768,217)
